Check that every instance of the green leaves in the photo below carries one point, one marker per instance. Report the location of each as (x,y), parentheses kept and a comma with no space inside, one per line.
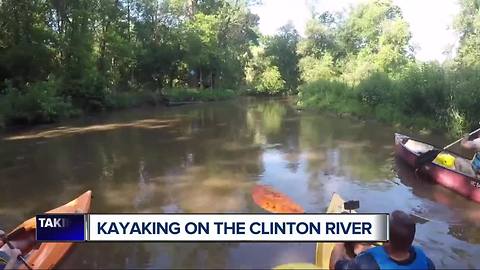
(313,69)
(371,37)
(282,49)
(98,49)
(467,25)
(38,103)
(270,81)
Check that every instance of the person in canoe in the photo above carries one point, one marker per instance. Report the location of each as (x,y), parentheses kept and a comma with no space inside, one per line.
(474,168)
(398,253)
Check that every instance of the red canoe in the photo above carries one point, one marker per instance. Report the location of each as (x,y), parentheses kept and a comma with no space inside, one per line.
(409,150)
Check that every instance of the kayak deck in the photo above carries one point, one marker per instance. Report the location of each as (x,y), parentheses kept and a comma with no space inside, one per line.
(324,250)
(48,255)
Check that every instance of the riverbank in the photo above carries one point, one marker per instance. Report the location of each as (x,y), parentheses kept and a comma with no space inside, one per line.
(422,97)
(327,97)
(41,105)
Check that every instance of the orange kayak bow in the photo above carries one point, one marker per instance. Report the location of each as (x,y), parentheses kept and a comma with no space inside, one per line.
(48,255)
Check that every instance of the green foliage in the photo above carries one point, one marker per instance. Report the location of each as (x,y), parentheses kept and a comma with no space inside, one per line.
(466,94)
(331,95)
(373,37)
(313,69)
(467,25)
(362,64)
(422,96)
(38,102)
(323,93)
(282,48)
(456,122)
(113,54)
(262,75)
(369,27)
(375,89)
(270,81)
(322,36)
(425,91)
(107,54)
(26,53)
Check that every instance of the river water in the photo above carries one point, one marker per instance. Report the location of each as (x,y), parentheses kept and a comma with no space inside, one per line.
(205,158)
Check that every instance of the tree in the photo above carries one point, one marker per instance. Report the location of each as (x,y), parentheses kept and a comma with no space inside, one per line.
(314,69)
(262,74)
(219,40)
(116,49)
(321,36)
(159,31)
(202,50)
(90,53)
(282,48)
(270,81)
(467,25)
(27,52)
(80,77)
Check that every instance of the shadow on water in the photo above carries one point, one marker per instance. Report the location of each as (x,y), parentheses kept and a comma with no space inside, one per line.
(205,158)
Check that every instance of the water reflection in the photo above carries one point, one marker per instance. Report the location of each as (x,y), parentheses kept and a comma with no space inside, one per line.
(449,215)
(205,159)
(440,202)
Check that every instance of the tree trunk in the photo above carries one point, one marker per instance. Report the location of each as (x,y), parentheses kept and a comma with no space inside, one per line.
(192,8)
(211,79)
(171,77)
(128,20)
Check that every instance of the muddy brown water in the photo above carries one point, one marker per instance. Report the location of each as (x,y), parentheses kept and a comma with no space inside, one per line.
(205,158)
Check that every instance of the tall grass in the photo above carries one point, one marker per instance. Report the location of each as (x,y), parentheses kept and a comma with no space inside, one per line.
(421,96)
(36,103)
(332,95)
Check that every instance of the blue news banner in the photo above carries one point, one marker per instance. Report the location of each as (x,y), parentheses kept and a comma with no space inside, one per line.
(61,227)
(212,227)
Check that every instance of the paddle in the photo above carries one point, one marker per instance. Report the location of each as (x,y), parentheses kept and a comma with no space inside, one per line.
(430,155)
(20,257)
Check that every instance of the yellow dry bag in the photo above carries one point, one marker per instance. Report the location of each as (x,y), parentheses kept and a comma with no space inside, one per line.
(445,160)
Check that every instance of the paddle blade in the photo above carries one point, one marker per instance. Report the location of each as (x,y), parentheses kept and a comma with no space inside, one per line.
(418,219)
(426,157)
(274,201)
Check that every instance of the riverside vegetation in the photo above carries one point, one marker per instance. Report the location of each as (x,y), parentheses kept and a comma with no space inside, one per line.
(61,58)
(362,63)
(64,58)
